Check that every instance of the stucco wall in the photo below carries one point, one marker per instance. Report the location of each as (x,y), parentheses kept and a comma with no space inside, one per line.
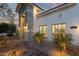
(70,16)
(26,11)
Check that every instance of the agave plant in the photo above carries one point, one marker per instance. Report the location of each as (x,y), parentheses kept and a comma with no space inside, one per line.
(62,39)
(38,37)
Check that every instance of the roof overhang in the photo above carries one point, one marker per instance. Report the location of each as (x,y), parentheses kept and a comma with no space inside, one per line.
(37,6)
(31,4)
(64,5)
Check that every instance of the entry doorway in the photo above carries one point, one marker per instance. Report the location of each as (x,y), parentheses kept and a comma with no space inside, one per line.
(21,24)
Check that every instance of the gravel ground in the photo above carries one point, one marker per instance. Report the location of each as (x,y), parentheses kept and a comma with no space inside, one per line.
(17,47)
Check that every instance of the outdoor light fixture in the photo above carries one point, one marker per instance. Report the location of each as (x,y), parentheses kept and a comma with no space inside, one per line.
(25,28)
(73,27)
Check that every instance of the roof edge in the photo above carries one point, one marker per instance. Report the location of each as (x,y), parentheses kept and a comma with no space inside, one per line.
(19,5)
(47,11)
(37,6)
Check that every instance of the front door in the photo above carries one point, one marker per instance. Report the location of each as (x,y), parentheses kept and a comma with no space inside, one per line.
(22,27)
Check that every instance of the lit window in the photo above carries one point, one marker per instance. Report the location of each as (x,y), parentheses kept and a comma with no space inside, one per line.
(58,27)
(43,30)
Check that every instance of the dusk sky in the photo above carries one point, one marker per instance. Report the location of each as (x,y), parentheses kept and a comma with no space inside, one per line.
(44,6)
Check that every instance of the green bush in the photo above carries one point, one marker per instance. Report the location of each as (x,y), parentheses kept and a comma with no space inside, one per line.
(38,37)
(9,34)
(62,39)
(5,28)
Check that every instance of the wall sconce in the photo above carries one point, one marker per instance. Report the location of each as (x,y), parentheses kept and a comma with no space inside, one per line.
(73,27)
(25,28)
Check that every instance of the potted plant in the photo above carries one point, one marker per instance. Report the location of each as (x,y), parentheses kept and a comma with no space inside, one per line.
(38,37)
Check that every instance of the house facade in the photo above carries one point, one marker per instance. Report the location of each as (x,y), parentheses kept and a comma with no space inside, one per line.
(65,16)
(26,15)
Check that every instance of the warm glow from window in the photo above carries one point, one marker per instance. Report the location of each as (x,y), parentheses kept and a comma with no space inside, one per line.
(22,21)
(58,28)
(36,11)
(25,28)
(43,30)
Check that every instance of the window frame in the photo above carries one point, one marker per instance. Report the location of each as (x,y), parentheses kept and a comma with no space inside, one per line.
(57,24)
(46,30)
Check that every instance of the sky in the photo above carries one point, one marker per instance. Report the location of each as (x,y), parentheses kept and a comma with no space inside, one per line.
(12,5)
(44,6)
(47,6)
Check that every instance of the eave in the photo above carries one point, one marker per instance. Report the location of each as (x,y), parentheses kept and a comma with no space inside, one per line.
(55,8)
(19,6)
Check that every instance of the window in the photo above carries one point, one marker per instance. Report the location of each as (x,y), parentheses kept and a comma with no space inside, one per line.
(58,27)
(43,30)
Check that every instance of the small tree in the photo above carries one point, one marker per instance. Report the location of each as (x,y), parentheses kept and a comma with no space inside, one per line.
(38,37)
(6,10)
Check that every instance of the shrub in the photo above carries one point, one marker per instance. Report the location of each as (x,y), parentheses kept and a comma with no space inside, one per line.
(62,39)
(38,37)
(6,28)
(10,34)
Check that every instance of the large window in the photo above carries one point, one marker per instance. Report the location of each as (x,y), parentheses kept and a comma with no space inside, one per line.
(58,27)
(43,30)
